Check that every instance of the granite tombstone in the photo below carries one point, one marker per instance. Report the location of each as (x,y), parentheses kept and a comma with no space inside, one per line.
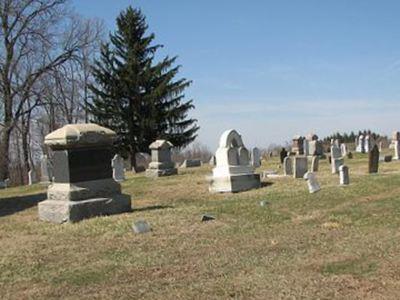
(161,161)
(83,186)
(373,160)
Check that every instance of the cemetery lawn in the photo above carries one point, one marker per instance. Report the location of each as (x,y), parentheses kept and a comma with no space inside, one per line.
(342,242)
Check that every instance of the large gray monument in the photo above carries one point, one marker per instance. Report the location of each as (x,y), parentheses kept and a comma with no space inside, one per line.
(83,186)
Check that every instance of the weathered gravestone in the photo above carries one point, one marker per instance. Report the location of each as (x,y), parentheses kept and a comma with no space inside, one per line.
(337,159)
(298,145)
(45,170)
(32,177)
(255,157)
(233,172)
(299,166)
(314,164)
(117,163)
(369,143)
(288,166)
(314,145)
(343,149)
(361,144)
(207,217)
(306,147)
(373,160)
(83,186)
(396,148)
(283,154)
(161,164)
(141,226)
(313,185)
(142,161)
(350,155)
(212,161)
(191,163)
(387,158)
(2,184)
(395,138)
(344,175)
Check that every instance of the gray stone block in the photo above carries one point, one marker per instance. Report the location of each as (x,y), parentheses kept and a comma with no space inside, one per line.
(74,211)
(235,183)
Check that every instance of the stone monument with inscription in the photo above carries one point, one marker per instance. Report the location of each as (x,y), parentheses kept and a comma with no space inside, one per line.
(83,185)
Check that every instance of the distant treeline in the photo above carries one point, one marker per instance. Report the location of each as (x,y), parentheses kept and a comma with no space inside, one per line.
(350,137)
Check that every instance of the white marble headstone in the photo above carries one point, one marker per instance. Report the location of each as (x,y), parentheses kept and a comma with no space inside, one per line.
(117,164)
(343,148)
(396,150)
(313,185)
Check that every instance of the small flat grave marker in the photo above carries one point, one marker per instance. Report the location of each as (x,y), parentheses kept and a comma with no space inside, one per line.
(141,226)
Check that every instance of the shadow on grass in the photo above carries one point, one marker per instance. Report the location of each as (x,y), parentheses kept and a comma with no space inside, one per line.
(12,205)
(154,207)
(265,184)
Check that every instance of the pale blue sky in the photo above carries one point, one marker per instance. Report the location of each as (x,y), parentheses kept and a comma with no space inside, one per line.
(273,69)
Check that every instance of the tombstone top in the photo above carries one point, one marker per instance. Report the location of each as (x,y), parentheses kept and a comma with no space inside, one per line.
(80,135)
(312,137)
(309,175)
(230,138)
(396,136)
(297,137)
(160,145)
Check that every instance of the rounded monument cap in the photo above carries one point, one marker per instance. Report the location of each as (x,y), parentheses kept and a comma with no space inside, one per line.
(80,135)
(160,144)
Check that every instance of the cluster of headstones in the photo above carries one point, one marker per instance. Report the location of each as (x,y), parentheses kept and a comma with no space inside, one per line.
(364,142)
(86,184)
(308,146)
(297,165)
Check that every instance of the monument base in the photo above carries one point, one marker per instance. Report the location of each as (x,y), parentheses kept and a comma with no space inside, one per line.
(235,183)
(73,211)
(154,173)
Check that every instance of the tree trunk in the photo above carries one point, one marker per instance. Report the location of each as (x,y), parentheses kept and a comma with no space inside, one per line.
(133,160)
(25,146)
(4,153)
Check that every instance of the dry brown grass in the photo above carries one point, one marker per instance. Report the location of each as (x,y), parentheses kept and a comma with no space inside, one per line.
(342,242)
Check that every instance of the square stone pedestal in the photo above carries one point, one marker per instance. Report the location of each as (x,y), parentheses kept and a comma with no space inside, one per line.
(235,183)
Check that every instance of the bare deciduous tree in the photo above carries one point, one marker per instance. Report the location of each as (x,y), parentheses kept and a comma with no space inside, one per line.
(37,37)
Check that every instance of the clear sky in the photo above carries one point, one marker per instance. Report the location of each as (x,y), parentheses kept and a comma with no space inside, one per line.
(273,69)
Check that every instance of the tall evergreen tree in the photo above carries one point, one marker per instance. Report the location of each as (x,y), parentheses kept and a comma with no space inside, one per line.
(137,97)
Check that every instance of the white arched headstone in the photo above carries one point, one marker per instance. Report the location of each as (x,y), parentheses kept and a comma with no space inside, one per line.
(233,171)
